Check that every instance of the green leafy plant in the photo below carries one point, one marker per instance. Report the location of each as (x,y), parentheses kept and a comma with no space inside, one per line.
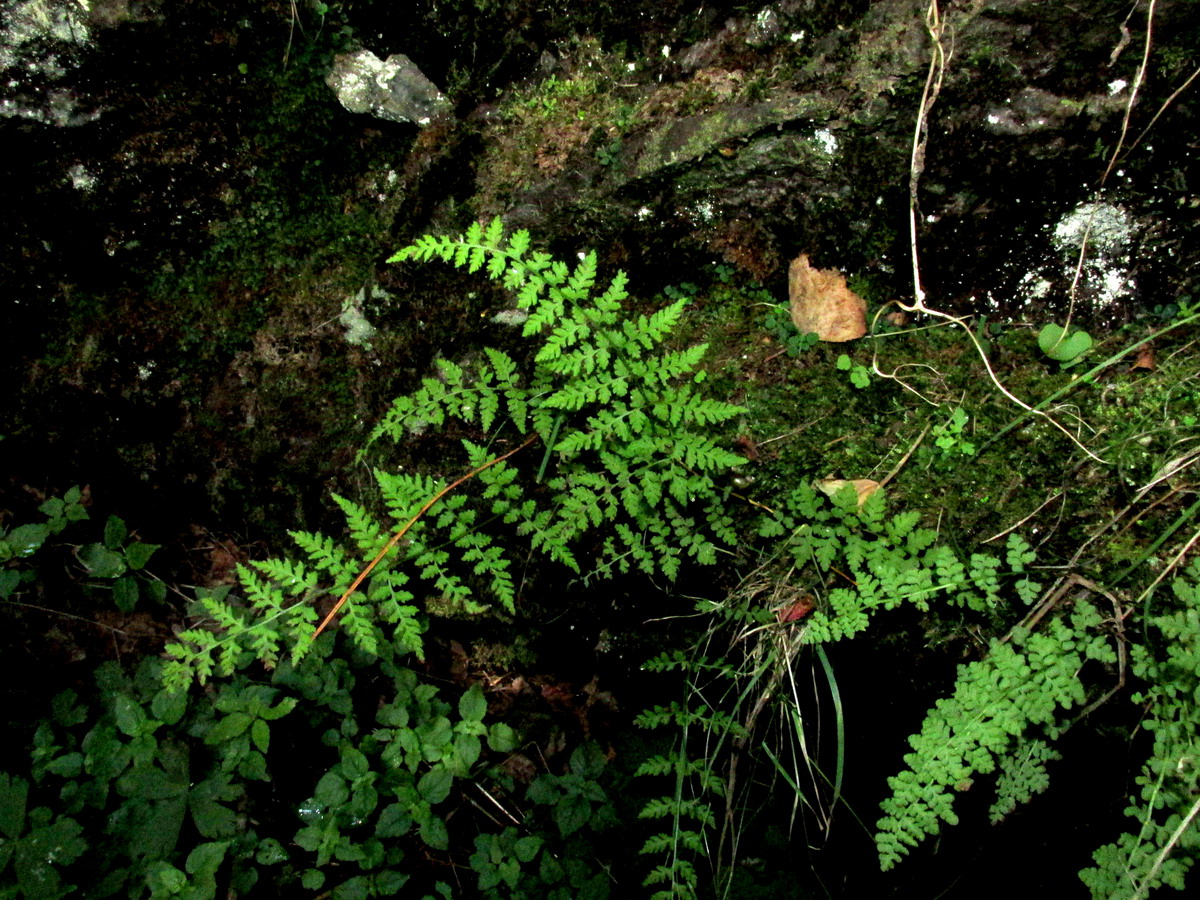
(133,789)
(860,375)
(566,814)
(19,543)
(1062,347)
(114,564)
(627,450)
(607,154)
(837,562)
(948,436)
(778,323)
(1008,709)
(1163,845)
(1018,688)
(117,559)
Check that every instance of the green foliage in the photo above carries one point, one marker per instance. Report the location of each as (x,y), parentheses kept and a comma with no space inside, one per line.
(949,438)
(881,561)
(18,544)
(1062,347)
(135,790)
(999,700)
(122,561)
(853,561)
(125,782)
(1023,774)
(688,810)
(115,563)
(627,450)
(859,375)
(1008,708)
(567,812)
(1166,838)
(778,323)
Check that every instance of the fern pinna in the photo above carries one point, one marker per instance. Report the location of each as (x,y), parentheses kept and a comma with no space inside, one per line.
(1164,839)
(626,449)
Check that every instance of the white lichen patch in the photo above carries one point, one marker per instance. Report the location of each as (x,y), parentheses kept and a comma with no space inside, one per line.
(1106,234)
(825,140)
(359,331)
(511,317)
(1108,229)
(81,178)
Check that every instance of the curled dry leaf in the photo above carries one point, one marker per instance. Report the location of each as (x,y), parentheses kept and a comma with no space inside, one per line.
(1144,361)
(796,610)
(864,487)
(822,303)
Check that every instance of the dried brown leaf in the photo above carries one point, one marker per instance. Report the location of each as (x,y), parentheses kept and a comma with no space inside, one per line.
(1144,361)
(864,487)
(822,303)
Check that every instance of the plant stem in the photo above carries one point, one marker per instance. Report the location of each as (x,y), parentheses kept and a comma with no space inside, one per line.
(409,524)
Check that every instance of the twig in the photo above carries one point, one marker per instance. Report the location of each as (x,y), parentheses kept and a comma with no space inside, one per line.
(995,537)
(933,85)
(1167,848)
(1133,92)
(1168,568)
(1179,90)
(900,465)
(67,615)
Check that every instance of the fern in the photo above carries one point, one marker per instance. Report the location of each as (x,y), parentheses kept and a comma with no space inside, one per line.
(688,815)
(627,450)
(611,408)
(1023,773)
(1166,838)
(868,561)
(847,561)
(1018,688)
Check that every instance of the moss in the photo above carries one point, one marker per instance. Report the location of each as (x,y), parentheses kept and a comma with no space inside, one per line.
(805,422)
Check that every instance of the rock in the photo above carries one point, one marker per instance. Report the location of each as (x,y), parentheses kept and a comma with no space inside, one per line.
(393,89)
(42,42)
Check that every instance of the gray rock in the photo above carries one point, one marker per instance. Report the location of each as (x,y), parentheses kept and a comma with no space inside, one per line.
(393,89)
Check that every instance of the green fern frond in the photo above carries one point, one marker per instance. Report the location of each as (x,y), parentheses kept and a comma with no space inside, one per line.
(1020,685)
(1164,840)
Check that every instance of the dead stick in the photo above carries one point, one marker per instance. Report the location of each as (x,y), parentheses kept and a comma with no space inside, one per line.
(409,524)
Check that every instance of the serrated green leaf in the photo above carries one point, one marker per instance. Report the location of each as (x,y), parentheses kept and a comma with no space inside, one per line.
(435,785)
(394,821)
(14,793)
(101,562)
(211,818)
(332,791)
(260,734)
(434,833)
(129,715)
(24,540)
(168,707)
(526,848)
(270,852)
(125,593)
(472,706)
(207,858)
(501,738)
(115,533)
(312,879)
(228,727)
(138,554)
